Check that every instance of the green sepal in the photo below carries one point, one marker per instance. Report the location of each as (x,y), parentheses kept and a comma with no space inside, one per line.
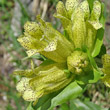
(102,51)
(68,73)
(99,42)
(88,78)
(38,57)
(91,4)
(30,107)
(92,61)
(45,99)
(47,62)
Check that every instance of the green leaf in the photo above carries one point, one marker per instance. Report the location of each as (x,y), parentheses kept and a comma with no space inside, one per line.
(64,106)
(46,62)
(38,57)
(99,42)
(96,75)
(102,52)
(66,35)
(45,101)
(92,61)
(30,107)
(72,105)
(41,101)
(103,15)
(91,77)
(91,4)
(70,92)
(96,70)
(46,105)
(86,105)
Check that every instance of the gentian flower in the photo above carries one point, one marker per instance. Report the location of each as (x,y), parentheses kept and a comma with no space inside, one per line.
(80,26)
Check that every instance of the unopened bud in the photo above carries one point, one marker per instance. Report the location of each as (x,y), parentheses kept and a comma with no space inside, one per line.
(78,62)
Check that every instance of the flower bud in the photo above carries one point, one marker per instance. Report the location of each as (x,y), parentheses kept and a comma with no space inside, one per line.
(78,62)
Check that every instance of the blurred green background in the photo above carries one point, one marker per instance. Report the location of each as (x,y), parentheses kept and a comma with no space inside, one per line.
(13,15)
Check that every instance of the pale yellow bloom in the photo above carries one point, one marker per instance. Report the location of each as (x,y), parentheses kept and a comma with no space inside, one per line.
(80,27)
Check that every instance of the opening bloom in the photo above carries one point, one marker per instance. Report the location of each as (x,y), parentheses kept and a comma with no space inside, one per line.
(80,26)
(79,63)
(43,38)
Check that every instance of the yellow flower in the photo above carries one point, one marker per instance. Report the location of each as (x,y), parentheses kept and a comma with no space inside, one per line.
(43,38)
(79,23)
(42,80)
(106,69)
(80,26)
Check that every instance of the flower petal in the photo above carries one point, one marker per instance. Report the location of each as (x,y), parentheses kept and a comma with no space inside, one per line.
(95,24)
(31,95)
(106,63)
(63,46)
(51,46)
(96,12)
(22,85)
(79,29)
(66,23)
(106,69)
(51,79)
(31,43)
(106,80)
(79,17)
(61,9)
(32,52)
(85,8)
(33,29)
(71,5)
(47,41)
(26,73)
(61,53)
(91,36)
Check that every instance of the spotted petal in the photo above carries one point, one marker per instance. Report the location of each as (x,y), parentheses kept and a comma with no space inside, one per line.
(79,28)
(61,9)
(33,29)
(25,73)
(47,78)
(43,38)
(106,69)
(96,12)
(51,79)
(71,5)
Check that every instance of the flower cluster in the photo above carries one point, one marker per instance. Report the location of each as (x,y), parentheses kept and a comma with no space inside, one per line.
(81,26)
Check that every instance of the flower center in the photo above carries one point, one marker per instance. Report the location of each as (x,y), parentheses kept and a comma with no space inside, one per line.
(78,62)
